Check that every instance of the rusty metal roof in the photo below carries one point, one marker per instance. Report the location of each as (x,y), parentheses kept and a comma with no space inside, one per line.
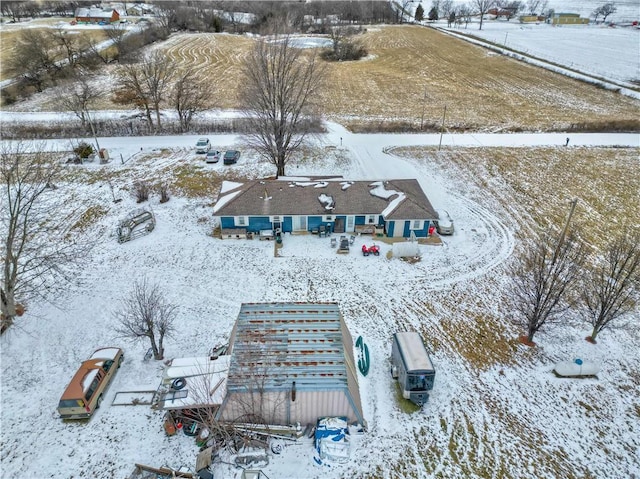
(279,343)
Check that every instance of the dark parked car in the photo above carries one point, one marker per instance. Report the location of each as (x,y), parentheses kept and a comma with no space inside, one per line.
(231,157)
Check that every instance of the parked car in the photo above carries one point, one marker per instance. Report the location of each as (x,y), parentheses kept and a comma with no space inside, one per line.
(85,391)
(203,145)
(444,224)
(213,156)
(231,157)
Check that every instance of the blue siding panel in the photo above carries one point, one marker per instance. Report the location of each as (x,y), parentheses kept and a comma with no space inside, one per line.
(227,222)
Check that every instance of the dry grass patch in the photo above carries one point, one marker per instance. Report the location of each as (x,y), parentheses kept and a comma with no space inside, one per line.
(482,91)
(9,39)
(535,185)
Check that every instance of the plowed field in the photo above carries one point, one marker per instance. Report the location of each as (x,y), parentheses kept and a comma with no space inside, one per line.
(413,68)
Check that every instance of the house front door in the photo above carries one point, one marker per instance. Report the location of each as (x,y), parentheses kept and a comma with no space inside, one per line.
(339,225)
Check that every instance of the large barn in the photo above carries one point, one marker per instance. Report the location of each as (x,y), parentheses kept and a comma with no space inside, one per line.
(291,363)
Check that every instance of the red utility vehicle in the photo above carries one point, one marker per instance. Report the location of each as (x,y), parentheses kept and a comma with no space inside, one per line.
(367,250)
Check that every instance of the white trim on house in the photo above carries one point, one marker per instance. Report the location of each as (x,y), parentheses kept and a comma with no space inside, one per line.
(241,221)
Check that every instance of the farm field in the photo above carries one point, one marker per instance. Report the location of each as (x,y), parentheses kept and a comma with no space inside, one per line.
(413,71)
(10,34)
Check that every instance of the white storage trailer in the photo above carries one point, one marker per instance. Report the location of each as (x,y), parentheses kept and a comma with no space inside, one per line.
(412,367)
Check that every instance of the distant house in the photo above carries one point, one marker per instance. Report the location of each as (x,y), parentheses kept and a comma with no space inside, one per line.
(291,363)
(567,19)
(395,208)
(507,12)
(97,15)
(531,18)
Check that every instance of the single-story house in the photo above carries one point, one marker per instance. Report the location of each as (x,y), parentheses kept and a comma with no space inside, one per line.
(97,15)
(567,19)
(291,363)
(396,208)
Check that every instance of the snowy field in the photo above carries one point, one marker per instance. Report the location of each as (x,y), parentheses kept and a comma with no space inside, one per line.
(613,53)
(510,419)
(209,278)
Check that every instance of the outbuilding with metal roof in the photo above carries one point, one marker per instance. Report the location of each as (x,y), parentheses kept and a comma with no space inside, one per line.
(291,363)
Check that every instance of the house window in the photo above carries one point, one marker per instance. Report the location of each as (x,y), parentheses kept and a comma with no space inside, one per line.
(275,219)
(350,223)
(241,221)
(371,219)
(417,224)
(328,218)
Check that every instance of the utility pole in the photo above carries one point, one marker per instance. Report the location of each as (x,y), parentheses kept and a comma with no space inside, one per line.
(424,104)
(93,130)
(442,127)
(573,202)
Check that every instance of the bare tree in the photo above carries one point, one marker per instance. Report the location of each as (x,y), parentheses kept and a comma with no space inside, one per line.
(70,44)
(13,9)
(604,10)
(146,313)
(188,97)
(34,59)
(146,85)
(403,10)
(79,96)
(280,84)
(116,35)
(96,48)
(610,289)
(464,15)
(537,6)
(482,7)
(38,250)
(446,8)
(543,279)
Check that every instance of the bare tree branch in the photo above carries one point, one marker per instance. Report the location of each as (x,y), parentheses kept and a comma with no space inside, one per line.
(610,289)
(188,97)
(280,84)
(38,250)
(146,313)
(543,280)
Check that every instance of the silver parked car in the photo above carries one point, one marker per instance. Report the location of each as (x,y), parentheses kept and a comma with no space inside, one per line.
(444,225)
(213,156)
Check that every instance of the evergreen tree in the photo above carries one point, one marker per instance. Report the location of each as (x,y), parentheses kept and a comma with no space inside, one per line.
(419,13)
(433,14)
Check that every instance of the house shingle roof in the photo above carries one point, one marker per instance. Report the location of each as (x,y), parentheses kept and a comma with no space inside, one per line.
(289,197)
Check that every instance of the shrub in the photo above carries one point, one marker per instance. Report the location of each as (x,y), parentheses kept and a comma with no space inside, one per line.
(84,150)
(141,190)
(346,51)
(164,193)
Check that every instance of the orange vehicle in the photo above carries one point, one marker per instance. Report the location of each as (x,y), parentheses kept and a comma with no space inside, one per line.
(85,391)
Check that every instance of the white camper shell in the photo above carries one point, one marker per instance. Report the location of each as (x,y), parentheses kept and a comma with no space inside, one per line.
(412,367)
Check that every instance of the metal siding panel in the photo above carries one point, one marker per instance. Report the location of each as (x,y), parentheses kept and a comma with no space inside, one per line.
(287,224)
(390,226)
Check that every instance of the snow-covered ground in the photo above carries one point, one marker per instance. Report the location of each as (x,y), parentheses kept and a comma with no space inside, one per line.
(209,278)
(613,53)
(512,419)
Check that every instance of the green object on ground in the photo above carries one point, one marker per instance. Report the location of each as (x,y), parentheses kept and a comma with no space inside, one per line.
(364,361)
